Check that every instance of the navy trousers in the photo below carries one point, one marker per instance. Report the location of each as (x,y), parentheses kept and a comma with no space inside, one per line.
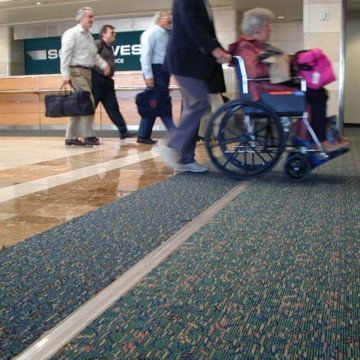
(162,79)
(318,100)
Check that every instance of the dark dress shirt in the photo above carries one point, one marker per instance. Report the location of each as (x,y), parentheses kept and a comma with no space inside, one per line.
(192,40)
(106,52)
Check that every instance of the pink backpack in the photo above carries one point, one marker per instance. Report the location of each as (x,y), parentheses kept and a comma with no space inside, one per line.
(315,68)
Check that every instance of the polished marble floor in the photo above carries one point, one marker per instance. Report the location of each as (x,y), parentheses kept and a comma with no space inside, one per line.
(44,184)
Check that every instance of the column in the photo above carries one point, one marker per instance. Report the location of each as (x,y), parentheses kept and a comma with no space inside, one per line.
(11,53)
(5,50)
(322,29)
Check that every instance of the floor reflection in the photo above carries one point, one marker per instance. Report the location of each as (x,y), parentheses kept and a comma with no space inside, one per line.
(27,215)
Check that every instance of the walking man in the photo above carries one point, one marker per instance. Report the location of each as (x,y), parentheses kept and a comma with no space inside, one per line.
(194,57)
(103,86)
(78,56)
(153,50)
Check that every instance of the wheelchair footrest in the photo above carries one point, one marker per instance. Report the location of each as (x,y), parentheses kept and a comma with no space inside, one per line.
(338,152)
(315,161)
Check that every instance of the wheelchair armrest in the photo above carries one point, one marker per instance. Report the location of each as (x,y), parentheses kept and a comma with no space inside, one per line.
(259,79)
(303,87)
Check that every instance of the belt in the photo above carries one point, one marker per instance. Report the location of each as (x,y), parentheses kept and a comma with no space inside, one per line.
(81,67)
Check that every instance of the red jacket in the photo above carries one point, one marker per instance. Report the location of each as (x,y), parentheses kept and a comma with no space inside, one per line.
(249,49)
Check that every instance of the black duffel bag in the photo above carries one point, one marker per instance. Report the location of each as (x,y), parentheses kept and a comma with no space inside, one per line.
(73,103)
(153,103)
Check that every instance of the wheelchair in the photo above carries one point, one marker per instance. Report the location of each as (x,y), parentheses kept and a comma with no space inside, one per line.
(246,138)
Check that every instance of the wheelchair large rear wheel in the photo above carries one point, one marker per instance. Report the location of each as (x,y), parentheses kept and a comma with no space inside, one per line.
(244,139)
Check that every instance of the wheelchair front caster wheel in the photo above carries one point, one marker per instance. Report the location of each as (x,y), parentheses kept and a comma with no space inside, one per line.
(297,167)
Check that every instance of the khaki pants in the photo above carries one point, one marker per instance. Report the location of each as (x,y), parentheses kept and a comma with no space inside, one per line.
(80,126)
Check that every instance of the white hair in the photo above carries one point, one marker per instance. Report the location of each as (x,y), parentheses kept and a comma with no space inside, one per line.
(255,19)
(159,15)
(81,12)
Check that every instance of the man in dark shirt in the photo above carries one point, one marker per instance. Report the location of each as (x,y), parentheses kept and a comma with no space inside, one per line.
(103,86)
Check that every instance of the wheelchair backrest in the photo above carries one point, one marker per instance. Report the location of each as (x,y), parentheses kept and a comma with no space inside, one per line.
(243,81)
(284,103)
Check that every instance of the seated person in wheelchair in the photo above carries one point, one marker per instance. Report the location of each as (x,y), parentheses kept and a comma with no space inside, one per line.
(252,47)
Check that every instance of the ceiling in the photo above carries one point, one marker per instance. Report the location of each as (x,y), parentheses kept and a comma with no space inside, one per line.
(27,11)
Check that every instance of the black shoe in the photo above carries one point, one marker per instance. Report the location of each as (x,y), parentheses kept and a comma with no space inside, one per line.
(92,141)
(148,141)
(73,142)
(127,134)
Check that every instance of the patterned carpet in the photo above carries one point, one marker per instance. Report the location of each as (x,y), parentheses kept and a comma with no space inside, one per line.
(47,277)
(275,275)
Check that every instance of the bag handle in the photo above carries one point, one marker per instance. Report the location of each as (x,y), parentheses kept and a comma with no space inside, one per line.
(315,59)
(65,90)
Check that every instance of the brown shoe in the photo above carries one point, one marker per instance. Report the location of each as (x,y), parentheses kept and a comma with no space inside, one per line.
(149,141)
(329,147)
(73,142)
(344,143)
(92,141)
